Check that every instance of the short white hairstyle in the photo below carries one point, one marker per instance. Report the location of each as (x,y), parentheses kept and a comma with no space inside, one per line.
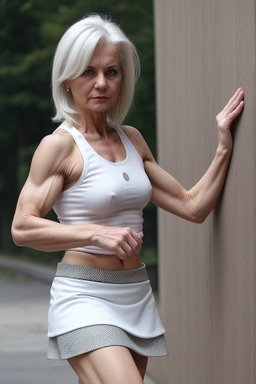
(73,55)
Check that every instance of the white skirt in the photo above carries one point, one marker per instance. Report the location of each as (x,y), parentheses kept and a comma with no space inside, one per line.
(93,308)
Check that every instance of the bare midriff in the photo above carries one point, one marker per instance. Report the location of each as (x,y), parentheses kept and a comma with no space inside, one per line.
(99,261)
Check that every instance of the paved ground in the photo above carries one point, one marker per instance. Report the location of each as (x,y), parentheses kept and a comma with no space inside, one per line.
(23,329)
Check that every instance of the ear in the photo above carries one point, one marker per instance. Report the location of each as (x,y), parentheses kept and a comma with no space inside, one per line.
(66,83)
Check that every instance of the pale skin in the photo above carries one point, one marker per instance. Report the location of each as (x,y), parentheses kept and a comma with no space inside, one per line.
(57,165)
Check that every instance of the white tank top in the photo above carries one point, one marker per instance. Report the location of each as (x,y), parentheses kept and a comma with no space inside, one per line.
(107,193)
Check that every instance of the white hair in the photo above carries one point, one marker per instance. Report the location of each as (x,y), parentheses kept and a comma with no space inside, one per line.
(73,55)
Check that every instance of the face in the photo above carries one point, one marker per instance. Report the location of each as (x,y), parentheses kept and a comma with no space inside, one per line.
(97,88)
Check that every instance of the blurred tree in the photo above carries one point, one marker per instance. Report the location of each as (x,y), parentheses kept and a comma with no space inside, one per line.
(29,33)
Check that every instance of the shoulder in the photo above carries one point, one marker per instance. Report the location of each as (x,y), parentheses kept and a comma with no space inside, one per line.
(58,141)
(52,152)
(138,141)
(57,145)
(131,132)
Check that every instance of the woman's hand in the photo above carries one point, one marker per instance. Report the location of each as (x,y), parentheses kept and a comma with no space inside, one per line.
(227,116)
(123,242)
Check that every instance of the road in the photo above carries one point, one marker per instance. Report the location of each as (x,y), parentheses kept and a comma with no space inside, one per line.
(23,330)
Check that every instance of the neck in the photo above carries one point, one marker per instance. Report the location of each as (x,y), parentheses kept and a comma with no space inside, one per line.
(93,123)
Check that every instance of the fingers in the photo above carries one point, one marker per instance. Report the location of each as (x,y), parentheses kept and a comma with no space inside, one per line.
(121,241)
(235,101)
(237,94)
(237,110)
(231,110)
(129,245)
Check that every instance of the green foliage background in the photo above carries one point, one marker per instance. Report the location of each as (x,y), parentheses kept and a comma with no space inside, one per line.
(29,33)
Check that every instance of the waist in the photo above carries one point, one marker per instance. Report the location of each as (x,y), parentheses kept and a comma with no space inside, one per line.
(101,261)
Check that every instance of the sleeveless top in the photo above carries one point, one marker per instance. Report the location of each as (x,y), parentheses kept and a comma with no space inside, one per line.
(107,193)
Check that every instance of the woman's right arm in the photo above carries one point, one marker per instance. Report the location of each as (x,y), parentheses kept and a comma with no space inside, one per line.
(48,174)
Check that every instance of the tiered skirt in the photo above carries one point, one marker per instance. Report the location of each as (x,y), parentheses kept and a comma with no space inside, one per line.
(94,308)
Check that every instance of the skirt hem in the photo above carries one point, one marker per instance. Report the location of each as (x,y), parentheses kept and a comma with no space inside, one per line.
(88,339)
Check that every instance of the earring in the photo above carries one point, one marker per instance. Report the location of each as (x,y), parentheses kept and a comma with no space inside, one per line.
(68,89)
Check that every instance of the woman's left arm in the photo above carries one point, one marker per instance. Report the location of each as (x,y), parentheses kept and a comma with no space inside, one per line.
(196,203)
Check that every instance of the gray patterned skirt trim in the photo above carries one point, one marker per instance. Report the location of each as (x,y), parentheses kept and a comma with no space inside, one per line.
(89,338)
(102,275)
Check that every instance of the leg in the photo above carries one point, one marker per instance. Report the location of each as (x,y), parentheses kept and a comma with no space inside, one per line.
(141,363)
(110,365)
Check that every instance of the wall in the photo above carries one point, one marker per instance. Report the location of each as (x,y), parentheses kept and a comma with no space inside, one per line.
(205,50)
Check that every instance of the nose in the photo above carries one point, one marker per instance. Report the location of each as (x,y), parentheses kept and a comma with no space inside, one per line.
(101,82)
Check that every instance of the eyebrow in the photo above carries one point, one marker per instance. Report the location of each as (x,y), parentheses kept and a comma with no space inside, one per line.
(110,66)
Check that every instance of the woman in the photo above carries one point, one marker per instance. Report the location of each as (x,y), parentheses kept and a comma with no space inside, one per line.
(98,176)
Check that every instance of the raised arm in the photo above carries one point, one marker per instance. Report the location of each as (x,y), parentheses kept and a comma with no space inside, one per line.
(195,204)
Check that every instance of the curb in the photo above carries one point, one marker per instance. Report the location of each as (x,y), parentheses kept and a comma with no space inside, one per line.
(36,271)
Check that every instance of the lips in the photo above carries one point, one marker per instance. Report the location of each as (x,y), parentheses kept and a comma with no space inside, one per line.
(100,98)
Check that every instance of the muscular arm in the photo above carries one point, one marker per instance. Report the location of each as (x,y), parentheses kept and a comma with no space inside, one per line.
(194,204)
(45,182)
(51,172)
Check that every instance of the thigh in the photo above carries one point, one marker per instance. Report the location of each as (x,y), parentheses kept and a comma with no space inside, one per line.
(141,363)
(109,365)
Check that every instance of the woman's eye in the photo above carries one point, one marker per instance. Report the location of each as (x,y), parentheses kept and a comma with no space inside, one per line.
(112,72)
(109,72)
(88,72)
